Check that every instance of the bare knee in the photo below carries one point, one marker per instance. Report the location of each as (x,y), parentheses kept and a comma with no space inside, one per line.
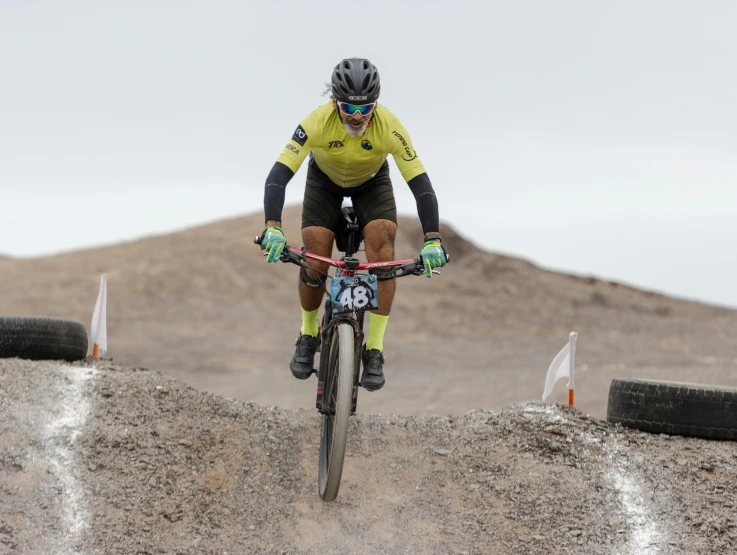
(379,236)
(318,240)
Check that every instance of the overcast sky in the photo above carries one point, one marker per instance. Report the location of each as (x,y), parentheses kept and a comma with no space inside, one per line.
(587,136)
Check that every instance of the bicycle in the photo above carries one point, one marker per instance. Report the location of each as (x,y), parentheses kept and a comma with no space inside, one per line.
(350,295)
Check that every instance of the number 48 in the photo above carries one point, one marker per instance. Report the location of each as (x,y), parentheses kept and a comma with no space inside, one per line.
(356,297)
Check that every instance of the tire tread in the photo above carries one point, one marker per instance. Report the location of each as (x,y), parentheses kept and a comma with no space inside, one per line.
(676,408)
(42,338)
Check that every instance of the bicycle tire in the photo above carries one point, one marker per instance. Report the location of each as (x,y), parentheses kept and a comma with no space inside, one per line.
(338,400)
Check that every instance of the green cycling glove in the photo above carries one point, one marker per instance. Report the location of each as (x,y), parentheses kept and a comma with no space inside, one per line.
(273,242)
(433,256)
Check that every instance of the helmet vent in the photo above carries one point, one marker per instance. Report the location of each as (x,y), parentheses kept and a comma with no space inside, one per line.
(355,79)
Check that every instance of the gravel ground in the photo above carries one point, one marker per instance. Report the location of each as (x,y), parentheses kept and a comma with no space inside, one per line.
(97,458)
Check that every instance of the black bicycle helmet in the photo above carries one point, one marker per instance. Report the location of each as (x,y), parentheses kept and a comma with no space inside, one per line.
(356,80)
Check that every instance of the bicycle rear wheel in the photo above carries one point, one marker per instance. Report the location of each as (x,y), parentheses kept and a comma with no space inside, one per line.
(338,391)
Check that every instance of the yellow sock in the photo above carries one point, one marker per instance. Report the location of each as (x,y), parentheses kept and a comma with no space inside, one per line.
(309,323)
(377,327)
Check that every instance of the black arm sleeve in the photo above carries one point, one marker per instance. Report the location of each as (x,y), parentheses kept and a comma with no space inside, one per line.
(427,202)
(276,185)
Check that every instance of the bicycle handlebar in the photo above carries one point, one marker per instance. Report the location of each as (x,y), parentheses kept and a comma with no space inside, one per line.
(383,270)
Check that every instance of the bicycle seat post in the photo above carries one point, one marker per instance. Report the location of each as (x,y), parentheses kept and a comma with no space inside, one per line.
(349,234)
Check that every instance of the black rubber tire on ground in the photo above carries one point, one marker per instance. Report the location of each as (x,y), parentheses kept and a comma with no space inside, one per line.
(685,409)
(42,338)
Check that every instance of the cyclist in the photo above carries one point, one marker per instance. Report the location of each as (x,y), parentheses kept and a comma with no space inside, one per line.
(348,140)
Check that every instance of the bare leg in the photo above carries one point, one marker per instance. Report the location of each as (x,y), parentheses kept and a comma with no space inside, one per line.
(379,236)
(318,240)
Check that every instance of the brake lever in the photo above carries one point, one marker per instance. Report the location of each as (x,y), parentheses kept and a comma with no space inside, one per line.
(287,255)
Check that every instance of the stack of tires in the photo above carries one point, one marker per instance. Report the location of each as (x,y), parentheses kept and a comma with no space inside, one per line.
(42,338)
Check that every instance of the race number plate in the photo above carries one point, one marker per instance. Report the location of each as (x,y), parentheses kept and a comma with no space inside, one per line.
(354,294)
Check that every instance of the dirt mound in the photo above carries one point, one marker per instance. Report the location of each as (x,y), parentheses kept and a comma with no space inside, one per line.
(106,459)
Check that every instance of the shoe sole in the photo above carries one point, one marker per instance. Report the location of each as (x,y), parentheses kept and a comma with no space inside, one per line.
(301,376)
(370,388)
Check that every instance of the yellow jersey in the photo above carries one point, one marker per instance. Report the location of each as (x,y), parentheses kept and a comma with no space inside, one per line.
(350,161)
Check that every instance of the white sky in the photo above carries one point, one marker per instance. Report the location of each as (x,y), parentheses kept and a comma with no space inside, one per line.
(588,136)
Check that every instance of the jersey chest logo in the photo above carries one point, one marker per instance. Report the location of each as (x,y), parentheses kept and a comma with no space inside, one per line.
(336,144)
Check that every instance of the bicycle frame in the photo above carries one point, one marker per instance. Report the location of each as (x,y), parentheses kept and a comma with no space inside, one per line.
(335,341)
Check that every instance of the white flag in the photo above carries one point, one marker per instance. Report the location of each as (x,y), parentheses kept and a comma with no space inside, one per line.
(99,317)
(562,366)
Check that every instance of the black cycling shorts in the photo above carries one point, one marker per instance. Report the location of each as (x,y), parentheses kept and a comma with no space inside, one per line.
(372,200)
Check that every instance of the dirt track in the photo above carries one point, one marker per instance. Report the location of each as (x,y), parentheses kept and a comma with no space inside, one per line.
(105,459)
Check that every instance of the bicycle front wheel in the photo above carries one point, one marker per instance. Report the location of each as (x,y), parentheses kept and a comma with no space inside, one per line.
(338,391)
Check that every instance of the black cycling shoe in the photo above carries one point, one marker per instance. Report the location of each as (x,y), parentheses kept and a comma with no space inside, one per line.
(303,359)
(373,369)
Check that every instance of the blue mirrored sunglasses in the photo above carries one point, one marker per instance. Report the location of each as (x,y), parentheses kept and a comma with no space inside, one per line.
(351,109)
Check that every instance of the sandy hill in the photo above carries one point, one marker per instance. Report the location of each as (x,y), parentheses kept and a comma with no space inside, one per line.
(203,305)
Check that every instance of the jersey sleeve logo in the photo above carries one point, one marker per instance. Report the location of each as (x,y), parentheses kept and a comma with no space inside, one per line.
(300,136)
(409,153)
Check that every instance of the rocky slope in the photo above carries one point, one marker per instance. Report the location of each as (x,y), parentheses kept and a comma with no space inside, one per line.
(97,458)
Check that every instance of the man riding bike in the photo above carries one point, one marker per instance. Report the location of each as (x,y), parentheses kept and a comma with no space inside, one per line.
(348,140)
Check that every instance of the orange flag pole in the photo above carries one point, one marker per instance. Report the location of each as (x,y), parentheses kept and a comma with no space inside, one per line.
(571,363)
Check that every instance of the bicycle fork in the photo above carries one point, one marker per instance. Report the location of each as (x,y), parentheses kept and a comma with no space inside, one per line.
(325,337)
